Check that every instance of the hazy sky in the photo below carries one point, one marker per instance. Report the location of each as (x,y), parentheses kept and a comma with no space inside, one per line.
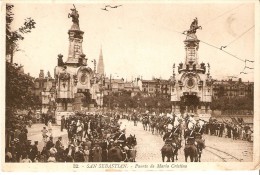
(139,38)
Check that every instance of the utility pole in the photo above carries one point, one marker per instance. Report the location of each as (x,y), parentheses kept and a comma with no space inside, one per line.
(109,92)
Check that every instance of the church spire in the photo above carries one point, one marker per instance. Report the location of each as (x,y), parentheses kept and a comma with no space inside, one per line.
(100,66)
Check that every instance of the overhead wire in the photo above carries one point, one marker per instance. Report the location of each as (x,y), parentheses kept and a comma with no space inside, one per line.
(222,14)
(239,36)
(214,47)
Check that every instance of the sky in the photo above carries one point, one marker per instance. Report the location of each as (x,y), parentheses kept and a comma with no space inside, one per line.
(140,39)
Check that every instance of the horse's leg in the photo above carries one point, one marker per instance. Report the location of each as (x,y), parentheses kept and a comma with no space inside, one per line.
(163,157)
(191,158)
(172,157)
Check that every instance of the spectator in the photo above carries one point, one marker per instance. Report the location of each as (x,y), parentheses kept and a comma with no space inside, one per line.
(62,125)
(26,159)
(50,127)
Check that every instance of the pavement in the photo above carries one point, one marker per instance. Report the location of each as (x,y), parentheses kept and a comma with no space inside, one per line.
(148,147)
(35,134)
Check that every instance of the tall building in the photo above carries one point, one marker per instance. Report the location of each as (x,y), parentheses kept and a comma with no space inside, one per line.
(191,90)
(100,66)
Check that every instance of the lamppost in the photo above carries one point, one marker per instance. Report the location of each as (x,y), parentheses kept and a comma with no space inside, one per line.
(159,106)
(110,91)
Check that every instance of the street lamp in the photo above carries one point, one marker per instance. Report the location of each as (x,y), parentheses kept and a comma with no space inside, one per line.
(159,106)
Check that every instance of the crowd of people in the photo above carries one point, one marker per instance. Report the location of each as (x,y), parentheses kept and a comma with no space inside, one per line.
(229,130)
(90,136)
(88,139)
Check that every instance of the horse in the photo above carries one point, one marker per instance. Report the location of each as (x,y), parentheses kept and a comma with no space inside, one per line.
(168,151)
(135,120)
(153,125)
(145,122)
(115,154)
(200,145)
(131,141)
(177,142)
(161,128)
(191,151)
(131,152)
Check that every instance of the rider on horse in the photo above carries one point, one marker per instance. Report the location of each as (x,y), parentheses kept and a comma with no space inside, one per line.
(199,130)
(168,138)
(121,140)
(189,136)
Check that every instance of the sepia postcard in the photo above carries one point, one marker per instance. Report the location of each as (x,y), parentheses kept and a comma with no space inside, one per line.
(129,86)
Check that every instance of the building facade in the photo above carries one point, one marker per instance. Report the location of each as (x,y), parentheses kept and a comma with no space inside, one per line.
(44,88)
(230,88)
(156,87)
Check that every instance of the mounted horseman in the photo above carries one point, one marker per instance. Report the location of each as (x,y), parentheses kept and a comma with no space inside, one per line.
(117,152)
(153,123)
(169,147)
(193,27)
(199,140)
(177,135)
(74,15)
(145,121)
(190,149)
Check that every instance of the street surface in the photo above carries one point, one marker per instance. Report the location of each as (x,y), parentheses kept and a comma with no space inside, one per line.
(149,145)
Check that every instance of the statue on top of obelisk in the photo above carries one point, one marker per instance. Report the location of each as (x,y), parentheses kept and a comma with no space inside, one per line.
(193,27)
(74,15)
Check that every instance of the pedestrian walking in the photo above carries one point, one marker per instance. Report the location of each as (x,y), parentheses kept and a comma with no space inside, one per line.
(50,127)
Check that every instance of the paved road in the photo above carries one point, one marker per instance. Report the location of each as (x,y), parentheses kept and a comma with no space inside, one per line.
(149,145)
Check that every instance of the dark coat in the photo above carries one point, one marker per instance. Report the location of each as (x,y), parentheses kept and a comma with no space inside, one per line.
(168,136)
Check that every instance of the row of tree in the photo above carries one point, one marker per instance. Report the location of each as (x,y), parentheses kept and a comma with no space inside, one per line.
(125,100)
(19,86)
(233,104)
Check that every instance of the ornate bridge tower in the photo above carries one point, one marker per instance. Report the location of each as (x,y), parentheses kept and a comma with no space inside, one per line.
(191,90)
(73,77)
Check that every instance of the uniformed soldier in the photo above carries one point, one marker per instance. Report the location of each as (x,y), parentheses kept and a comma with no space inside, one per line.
(168,138)
(189,136)
(121,140)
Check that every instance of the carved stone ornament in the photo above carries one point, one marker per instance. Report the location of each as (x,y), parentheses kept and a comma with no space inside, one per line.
(64,76)
(190,83)
(75,79)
